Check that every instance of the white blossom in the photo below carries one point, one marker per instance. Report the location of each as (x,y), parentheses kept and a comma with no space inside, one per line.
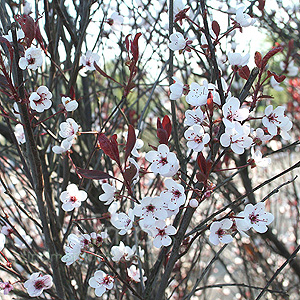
(6,287)
(122,221)
(68,129)
(237,138)
(122,252)
(196,138)
(20,134)
(161,234)
(64,147)
(193,117)
(174,195)
(275,85)
(236,59)
(219,232)
(261,136)
(27,8)
(40,100)
(109,193)
(176,89)
(274,119)
(101,282)
(135,274)
(88,60)
(72,197)
(116,21)
(37,283)
(284,130)
(193,203)
(292,70)
(243,19)
(232,112)
(177,41)
(69,104)
(259,160)
(150,209)
(163,161)
(73,250)
(197,95)
(33,59)
(97,238)
(256,217)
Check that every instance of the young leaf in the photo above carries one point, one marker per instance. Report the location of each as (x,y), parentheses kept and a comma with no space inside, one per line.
(135,47)
(131,139)
(162,136)
(129,173)
(244,72)
(105,75)
(269,55)
(216,28)
(93,174)
(257,59)
(109,147)
(201,162)
(166,124)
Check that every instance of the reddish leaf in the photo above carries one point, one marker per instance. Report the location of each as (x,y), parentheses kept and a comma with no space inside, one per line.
(166,124)
(279,78)
(131,139)
(127,42)
(201,177)
(104,74)
(269,55)
(135,47)
(216,28)
(109,147)
(201,162)
(162,136)
(93,174)
(114,144)
(130,172)
(31,30)
(257,59)
(244,72)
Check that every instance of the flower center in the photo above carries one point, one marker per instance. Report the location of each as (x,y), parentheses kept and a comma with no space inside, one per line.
(163,161)
(150,208)
(106,280)
(39,284)
(30,60)
(42,99)
(161,232)
(176,193)
(73,199)
(273,118)
(253,218)
(198,139)
(220,232)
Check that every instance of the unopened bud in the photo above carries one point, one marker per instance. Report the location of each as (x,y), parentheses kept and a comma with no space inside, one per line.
(193,203)
(207,194)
